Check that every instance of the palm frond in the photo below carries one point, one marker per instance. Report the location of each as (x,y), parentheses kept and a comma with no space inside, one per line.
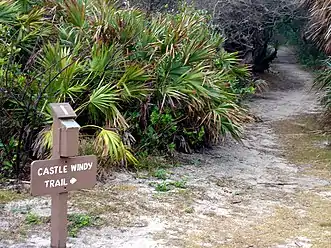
(224,119)
(103,103)
(319,23)
(109,144)
(76,11)
(43,143)
(9,11)
(106,59)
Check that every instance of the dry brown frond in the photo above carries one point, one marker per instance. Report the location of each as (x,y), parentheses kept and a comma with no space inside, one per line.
(319,22)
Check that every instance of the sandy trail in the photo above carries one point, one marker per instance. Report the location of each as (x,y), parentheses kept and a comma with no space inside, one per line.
(236,195)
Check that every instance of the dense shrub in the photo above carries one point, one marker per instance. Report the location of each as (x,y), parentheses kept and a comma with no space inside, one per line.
(138,83)
(317,30)
(248,25)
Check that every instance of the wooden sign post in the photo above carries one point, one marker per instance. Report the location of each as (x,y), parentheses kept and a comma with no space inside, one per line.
(63,172)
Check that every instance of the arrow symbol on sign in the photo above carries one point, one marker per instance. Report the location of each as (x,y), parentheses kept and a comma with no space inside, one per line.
(73,180)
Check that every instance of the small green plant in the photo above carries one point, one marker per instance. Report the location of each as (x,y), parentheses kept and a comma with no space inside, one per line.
(8,157)
(166,186)
(79,221)
(195,137)
(161,174)
(33,219)
(179,184)
(159,134)
(162,187)
(242,90)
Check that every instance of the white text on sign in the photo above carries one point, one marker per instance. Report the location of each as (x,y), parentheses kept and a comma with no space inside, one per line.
(62,170)
(59,182)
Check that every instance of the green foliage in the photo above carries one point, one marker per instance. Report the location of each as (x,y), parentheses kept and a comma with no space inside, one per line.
(195,137)
(138,83)
(159,134)
(292,33)
(33,219)
(161,174)
(78,221)
(168,185)
(6,151)
(323,84)
(162,187)
(249,27)
(75,222)
(179,184)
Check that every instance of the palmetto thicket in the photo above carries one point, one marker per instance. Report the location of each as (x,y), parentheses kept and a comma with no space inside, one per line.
(319,30)
(248,25)
(138,83)
(320,22)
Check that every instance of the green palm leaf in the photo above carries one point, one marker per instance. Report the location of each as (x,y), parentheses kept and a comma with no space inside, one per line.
(106,59)
(109,143)
(103,103)
(131,82)
(9,10)
(76,12)
(134,73)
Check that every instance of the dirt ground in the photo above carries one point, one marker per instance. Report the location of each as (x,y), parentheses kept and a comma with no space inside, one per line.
(273,190)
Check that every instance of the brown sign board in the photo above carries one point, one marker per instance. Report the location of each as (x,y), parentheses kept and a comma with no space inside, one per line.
(56,176)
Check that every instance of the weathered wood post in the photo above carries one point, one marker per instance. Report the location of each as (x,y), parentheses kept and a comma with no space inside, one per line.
(59,201)
(64,171)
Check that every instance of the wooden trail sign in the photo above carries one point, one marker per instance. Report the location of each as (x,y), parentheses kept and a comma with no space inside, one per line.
(62,175)
(64,171)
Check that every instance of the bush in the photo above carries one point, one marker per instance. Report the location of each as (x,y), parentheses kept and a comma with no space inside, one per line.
(323,84)
(319,28)
(137,83)
(247,25)
(319,23)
